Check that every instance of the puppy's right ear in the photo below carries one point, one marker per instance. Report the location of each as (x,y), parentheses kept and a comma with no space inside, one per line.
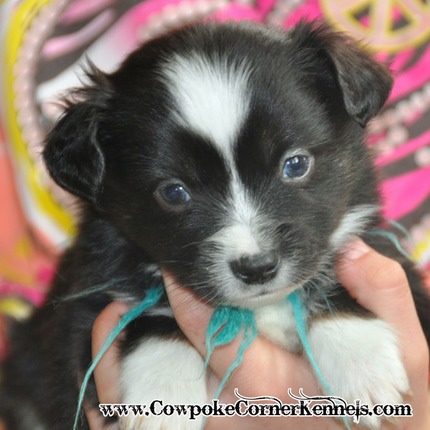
(72,153)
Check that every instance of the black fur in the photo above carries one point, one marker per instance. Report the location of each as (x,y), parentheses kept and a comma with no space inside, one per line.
(310,89)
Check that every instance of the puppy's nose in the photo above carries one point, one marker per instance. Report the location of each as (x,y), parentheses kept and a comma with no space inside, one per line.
(256,269)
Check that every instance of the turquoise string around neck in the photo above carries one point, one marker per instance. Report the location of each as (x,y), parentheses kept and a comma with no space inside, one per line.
(152,297)
(394,240)
(299,316)
(224,326)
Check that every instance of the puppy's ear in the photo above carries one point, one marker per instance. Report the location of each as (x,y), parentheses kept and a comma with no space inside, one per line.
(72,153)
(365,84)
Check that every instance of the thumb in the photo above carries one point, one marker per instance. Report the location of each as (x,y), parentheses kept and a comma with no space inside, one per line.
(193,316)
(380,285)
(107,371)
(260,359)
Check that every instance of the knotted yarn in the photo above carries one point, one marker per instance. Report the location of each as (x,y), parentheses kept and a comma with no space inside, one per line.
(225,326)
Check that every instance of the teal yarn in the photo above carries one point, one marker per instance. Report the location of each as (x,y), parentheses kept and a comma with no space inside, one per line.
(298,310)
(393,239)
(297,304)
(224,326)
(152,297)
(401,228)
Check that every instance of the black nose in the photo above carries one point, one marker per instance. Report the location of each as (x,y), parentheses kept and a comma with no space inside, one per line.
(256,269)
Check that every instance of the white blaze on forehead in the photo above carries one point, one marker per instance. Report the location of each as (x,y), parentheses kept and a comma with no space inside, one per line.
(242,233)
(240,208)
(211,97)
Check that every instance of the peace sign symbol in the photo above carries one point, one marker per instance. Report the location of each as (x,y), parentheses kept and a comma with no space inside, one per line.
(389,25)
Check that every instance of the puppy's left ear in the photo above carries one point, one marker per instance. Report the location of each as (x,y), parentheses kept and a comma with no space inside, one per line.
(365,84)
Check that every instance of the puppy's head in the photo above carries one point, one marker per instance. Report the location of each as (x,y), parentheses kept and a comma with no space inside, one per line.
(231,154)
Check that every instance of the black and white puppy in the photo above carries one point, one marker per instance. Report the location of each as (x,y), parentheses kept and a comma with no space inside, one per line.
(232,156)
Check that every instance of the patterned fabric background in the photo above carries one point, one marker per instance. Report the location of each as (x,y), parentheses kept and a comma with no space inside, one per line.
(44,42)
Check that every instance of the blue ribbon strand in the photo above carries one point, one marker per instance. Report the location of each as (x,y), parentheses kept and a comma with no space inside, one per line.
(151,299)
(224,326)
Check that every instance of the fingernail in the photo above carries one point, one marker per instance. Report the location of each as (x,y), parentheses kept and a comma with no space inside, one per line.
(356,249)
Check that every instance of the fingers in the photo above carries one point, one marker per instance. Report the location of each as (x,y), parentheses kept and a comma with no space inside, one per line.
(97,422)
(375,281)
(371,277)
(192,314)
(380,285)
(260,359)
(107,371)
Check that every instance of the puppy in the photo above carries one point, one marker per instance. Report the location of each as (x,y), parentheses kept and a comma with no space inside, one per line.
(232,156)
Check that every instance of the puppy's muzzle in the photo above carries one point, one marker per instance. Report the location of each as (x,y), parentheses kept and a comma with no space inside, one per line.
(256,268)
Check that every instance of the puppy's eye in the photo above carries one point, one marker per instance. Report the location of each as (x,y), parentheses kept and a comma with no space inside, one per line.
(173,194)
(296,167)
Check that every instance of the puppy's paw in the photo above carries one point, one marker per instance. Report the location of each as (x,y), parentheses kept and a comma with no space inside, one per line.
(162,372)
(360,359)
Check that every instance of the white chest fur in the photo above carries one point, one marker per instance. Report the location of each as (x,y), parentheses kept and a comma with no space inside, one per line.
(276,322)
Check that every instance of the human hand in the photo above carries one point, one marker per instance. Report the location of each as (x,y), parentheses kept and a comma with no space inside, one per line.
(376,282)
(107,371)
(379,284)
